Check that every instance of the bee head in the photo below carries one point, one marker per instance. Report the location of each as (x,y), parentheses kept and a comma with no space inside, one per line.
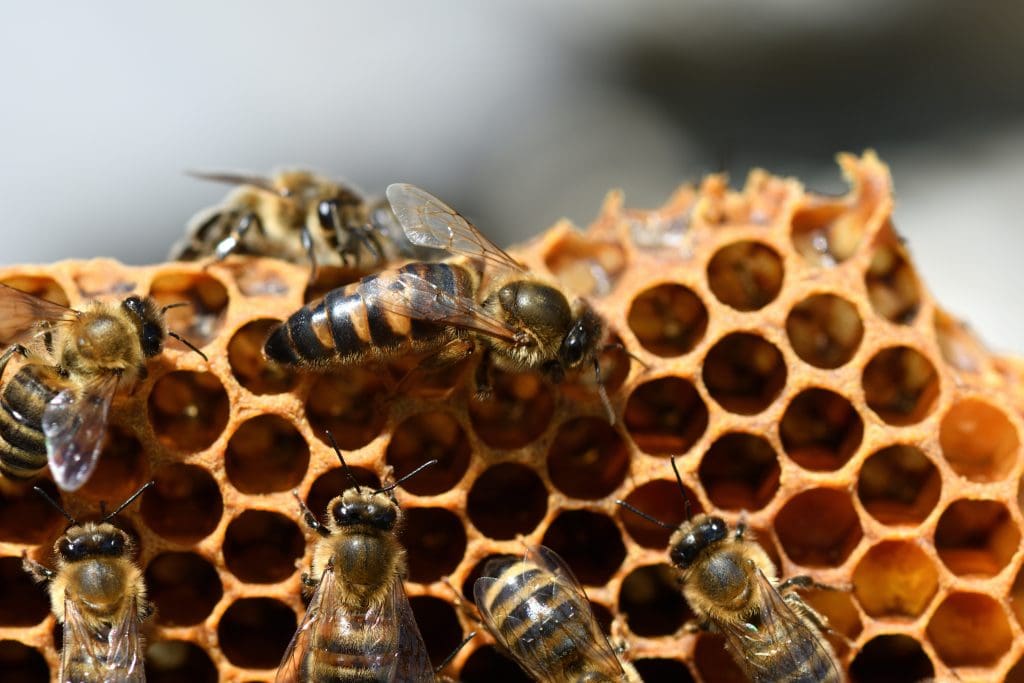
(581,342)
(355,508)
(92,540)
(695,536)
(149,322)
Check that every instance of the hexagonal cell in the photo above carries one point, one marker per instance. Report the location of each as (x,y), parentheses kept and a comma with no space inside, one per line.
(21,503)
(744,373)
(21,663)
(891,658)
(250,367)
(651,602)
(825,330)
(173,661)
(899,485)
(254,632)
(589,542)
(348,403)
(518,410)
(713,661)
(827,234)
(900,385)
(507,500)
(488,665)
(183,586)
(959,348)
(895,579)
(653,670)
(588,458)
(429,436)
(820,430)
(444,633)
(892,284)
(188,410)
(333,483)
(266,454)
(434,541)
(23,602)
(668,320)
(185,504)
(665,416)
(121,469)
(262,546)
(956,625)
(586,266)
(37,285)
(818,528)
(255,277)
(740,472)
(662,500)
(978,440)
(201,320)
(976,537)
(745,275)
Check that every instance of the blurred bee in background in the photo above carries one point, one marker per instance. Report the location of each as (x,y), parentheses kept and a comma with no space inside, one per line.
(537,610)
(731,585)
(359,625)
(296,216)
(98,595)
(482,300)
(55,408)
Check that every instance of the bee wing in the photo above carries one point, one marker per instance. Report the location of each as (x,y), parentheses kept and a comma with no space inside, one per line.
(21,313)
(429,222)
(74,423)
(316,623)
(778,642)
(408,295)
(121,659)
(230,178)
(413,660)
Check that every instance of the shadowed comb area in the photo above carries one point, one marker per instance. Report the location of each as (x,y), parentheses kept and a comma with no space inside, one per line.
(788,355)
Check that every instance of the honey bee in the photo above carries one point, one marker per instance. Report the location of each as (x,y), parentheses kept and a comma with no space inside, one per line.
(55,408)
(479,300)
(98,595)
(537,610)
(296,216)
(731,585)
(359,625)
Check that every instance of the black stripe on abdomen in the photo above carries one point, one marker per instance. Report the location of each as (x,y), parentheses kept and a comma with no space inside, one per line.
(22,443)
(340,307)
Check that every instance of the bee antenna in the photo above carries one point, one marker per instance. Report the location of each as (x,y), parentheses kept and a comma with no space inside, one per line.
(179,304)
(55,504)
(187,343)
(348,470)
(682,489)
(646,516)
(128,501)
(605,401)
(448,660)
(619,346)
(392,486)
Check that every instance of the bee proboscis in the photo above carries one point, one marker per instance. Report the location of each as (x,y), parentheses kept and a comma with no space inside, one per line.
(359,625)
(731,585)
(98,596)
(479,300)
(539,613)
(54,409)
(297,216)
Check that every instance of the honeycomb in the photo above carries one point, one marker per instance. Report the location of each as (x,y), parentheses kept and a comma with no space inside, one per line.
(786,351)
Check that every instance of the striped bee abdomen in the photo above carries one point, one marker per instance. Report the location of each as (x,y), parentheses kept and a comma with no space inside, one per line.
(356,653)
(22,443)
(378,316)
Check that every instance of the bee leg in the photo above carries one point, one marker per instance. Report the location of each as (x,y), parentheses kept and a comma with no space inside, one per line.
(228,245)
(695,625)
(483,377)
(741,527)
(819,620)
(803,581)
(10,351)
(38,572)
(306,237)
(448,355)
(372,242)
(309,518)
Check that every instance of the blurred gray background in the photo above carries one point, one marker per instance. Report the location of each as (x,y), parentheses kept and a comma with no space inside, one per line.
(518,113)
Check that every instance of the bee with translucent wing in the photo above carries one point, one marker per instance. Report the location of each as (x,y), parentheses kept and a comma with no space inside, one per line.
(730,583)
(479,300)
(55,408)
(98,595)
(537,610)
(359,625)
